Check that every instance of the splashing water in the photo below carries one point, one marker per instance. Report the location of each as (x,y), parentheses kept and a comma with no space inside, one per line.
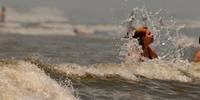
(22,80)
(169,42)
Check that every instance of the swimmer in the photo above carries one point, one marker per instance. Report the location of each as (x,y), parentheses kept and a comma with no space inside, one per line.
(2,14)
(145,38)
(78,31)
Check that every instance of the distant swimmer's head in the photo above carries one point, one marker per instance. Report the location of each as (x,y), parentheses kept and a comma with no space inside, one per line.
(144,35)
(3,9)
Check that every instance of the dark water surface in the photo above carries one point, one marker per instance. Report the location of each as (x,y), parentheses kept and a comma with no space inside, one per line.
(60,49)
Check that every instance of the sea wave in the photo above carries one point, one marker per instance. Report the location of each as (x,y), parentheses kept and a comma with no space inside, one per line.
(32,78)
(182,71)
(22,80)
(190,23)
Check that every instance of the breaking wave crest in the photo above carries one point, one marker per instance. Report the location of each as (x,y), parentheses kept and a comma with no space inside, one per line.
(32,78)
(180,71)
(22,80)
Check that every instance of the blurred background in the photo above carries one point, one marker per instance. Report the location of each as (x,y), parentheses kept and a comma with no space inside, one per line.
(107,11)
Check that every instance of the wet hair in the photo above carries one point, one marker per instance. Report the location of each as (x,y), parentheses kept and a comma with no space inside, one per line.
(199,39)
(138,37)
(139,33)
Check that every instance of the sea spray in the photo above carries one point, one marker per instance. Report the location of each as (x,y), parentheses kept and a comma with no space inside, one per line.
(168,40)
(23,80)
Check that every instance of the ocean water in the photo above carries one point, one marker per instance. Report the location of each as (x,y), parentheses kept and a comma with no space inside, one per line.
(44,59)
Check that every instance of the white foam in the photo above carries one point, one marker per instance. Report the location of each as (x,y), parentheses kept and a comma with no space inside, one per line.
(162,70)
(39,14)
(24,81)
(50,29)
(190,23)
(101,70)
(182,71)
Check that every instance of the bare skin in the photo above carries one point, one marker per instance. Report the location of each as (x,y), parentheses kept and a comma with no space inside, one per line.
(148,51)
(197,57)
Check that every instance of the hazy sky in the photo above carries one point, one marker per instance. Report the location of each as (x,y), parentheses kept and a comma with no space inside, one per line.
(103,11)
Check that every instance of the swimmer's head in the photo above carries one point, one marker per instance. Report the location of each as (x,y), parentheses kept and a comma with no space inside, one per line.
(144,35)
(3,9)
(199,39)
